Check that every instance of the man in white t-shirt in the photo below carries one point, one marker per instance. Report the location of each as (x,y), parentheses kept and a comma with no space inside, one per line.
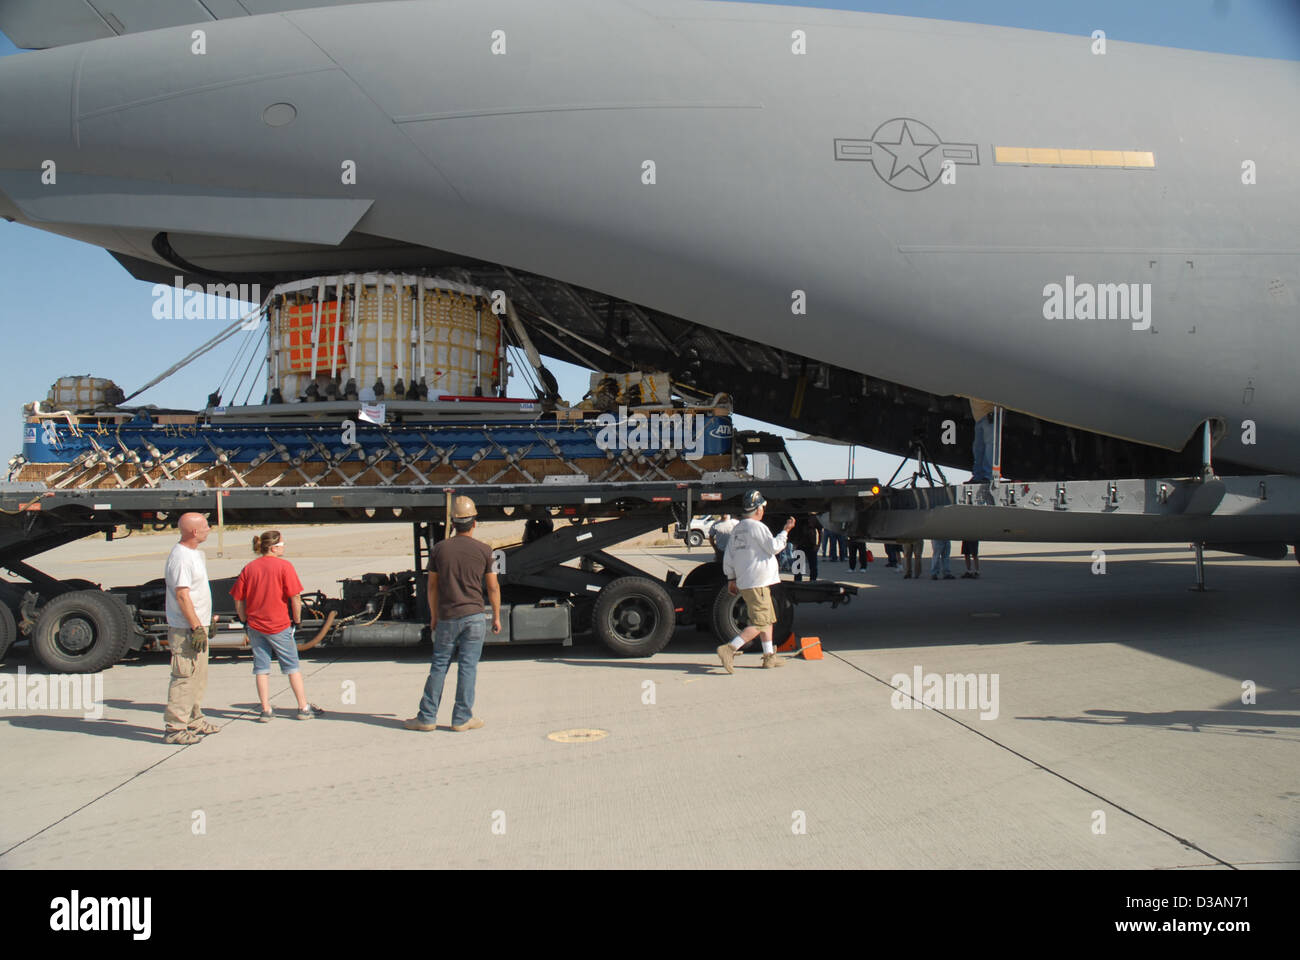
(751,568)
(189,612)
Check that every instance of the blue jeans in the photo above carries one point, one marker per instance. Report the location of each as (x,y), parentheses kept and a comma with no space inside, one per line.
(941,562)
(462,636)
(982,448)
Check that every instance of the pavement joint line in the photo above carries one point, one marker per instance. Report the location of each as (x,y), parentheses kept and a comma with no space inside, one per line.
(138,774)
(68,816)
(1046,769)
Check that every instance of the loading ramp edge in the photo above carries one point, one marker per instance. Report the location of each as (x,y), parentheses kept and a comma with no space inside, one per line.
(1218,509)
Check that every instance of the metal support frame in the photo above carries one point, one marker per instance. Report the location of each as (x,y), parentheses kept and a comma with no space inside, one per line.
(917,451)
(995,469)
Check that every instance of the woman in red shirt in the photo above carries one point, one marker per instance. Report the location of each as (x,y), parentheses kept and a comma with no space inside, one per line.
(268,599)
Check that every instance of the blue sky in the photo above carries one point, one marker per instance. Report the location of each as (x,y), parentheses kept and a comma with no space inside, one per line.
(69,308)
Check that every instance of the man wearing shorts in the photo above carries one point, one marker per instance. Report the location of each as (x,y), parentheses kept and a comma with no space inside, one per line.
(751,568)
(268,600)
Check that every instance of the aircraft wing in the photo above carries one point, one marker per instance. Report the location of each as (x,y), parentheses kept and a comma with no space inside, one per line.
(40,24)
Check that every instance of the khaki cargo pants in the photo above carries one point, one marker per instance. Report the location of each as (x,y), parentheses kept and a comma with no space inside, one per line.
(188,684)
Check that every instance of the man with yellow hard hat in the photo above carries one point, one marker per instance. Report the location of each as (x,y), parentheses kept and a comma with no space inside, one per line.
(460,568)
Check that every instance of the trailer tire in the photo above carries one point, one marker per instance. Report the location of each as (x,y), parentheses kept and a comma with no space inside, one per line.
(695,538)
(8,629)
(729,615)
(634,616)
(81,632)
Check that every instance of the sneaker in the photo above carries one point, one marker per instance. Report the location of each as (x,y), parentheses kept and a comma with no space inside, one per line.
(949,576)
(967,576)
(183,737)
(727,654)
(473,723)
(311,713)
(416,724)
(266,716)
(772,660)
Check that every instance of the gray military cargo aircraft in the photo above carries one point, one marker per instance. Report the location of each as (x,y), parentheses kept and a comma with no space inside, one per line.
(849,222)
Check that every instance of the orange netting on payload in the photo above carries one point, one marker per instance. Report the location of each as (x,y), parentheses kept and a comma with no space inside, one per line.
(297,324)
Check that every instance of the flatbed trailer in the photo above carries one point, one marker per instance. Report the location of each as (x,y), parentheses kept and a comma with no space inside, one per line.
(74,626)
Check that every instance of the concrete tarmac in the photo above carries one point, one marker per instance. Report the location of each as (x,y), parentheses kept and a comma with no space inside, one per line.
(1120,740)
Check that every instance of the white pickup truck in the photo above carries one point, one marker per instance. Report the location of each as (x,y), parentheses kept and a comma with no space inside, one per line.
(698,532)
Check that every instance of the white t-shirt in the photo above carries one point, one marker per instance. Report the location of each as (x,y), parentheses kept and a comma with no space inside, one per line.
(750,559)
(186,567)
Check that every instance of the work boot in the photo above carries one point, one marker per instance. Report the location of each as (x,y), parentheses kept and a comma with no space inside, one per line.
(772,660)
(473,723)
(727,654)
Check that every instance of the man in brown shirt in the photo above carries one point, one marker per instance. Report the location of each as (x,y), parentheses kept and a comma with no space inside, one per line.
(459,569)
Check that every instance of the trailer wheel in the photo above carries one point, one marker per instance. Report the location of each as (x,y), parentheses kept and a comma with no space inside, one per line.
(81,632)
(695,538)
(730,615)
(634,616)
(8,629)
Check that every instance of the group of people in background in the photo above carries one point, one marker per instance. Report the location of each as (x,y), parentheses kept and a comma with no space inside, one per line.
(910,552)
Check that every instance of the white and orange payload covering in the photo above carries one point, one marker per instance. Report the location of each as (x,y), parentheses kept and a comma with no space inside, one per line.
(366,327)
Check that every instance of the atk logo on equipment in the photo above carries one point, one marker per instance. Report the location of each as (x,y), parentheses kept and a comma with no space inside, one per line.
(907,154)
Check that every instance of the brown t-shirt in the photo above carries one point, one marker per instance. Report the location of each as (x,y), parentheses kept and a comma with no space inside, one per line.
(461,563)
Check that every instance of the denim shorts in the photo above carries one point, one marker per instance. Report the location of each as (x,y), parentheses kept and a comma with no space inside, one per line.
(282,644)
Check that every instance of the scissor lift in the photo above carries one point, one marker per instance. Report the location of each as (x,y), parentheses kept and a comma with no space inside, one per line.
(76,627)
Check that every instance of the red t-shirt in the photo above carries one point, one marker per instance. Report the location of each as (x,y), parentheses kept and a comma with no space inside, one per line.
(265,586)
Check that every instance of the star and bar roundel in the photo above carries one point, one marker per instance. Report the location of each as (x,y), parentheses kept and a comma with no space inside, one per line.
(906,153)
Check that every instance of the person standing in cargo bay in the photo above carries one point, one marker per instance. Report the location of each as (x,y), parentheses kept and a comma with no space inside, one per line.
(751,569)
(189,612)
(459,570)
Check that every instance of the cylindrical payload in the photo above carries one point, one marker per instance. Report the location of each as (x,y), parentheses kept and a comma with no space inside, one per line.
(436,338)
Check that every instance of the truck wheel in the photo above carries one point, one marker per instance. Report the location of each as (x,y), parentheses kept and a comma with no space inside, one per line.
(8,629)
(81,632)
(730,615)
(695,538)
(634,617)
